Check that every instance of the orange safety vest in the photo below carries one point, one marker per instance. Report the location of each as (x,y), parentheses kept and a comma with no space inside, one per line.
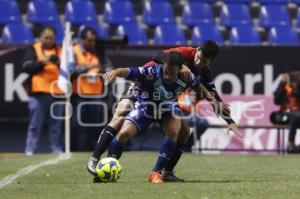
(45,81)
(88,83)
(292,102)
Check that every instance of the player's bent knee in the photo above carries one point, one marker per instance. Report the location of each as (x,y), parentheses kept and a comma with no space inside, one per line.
(172,134)
(123,136)
(128,130)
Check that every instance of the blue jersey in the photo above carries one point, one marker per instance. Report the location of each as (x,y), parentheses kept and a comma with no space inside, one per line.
(152,87)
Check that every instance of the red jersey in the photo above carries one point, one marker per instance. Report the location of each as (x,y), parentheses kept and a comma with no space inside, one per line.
(187,52)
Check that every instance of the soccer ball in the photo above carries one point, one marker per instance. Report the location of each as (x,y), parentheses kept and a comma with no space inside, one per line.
(109,170)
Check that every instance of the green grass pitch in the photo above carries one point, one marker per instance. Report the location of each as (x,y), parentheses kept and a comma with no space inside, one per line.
(207,177)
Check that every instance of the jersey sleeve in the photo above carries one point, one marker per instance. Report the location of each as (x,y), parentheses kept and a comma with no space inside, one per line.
(194,82)
(208,82)
(137,73)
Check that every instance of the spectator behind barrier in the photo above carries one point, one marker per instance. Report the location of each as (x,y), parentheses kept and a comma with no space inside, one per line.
(287,96)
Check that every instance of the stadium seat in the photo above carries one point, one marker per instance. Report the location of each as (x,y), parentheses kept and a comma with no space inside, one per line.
(238,1)
(171,1)
(296,2)
(203,1)
(80,12)
(17,33)
(42,11)
(204,32)
(118,12)
(101,30)
(197,13)
(136,34)
(168,34)
(235,15)
(9,12)
(244,35)
(156,13)
(273,15)
(273,1)
(298,17)
(283,35)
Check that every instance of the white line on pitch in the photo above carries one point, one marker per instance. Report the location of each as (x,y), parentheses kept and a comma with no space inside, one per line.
(10,178)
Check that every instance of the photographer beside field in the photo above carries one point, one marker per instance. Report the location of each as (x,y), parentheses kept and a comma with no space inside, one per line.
(287,96)
(87,89)
(41,62)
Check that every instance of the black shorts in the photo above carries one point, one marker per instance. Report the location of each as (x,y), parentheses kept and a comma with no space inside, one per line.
(130,92)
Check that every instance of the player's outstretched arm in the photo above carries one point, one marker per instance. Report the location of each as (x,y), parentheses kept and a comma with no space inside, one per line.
(109,77)
(219,109)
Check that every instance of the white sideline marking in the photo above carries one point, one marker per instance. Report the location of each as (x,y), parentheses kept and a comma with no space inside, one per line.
(10,178)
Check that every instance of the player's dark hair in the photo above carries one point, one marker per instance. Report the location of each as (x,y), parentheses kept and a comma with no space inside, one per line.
(44,28)
(87,30)
(209,49)
(174,59)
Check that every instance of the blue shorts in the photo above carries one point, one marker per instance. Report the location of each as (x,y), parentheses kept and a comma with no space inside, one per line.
(142,120)
(139,118)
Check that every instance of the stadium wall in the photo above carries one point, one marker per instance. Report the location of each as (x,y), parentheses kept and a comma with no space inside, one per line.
(238,71)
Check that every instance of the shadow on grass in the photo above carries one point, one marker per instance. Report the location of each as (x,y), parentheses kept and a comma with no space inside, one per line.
(220,181)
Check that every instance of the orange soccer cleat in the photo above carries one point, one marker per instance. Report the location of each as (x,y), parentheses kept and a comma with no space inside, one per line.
(155,177)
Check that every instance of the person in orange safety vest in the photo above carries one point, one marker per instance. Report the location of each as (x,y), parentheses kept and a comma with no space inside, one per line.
(87,89)
(41,62)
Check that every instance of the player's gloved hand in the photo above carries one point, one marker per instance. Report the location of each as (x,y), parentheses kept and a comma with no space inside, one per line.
(185,73)
(109,77)
(235,129)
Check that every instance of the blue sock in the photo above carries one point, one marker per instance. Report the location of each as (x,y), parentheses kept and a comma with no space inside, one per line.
(115,149)
(165,153)
(175,157)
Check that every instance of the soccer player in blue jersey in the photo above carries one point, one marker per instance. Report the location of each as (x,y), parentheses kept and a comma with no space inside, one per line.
(160,85)
(197,60)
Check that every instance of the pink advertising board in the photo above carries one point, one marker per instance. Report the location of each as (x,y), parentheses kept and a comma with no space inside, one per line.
(245,110)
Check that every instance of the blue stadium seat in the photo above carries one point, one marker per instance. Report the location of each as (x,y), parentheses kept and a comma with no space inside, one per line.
(80,12)
(273,1)
(244,35)
(42,11)
(136,34)
(156,13)
(118,12)
(205,32)
(273,15)
(9,12)
(197,13)
(171,1)
(298,17)
(296,2)
(17,33)
(169,34)
(204,1)
(283,35)
(100,29)
(235,15)
(238,1)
